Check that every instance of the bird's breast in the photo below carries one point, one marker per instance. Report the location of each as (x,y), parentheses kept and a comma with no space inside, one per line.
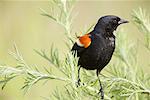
(111,41)
(98,53)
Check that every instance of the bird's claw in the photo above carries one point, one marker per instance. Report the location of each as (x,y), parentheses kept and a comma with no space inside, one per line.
(101,92)
(78,82)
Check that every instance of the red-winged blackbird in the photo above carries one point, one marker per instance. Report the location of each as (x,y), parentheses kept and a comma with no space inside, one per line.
(96,48)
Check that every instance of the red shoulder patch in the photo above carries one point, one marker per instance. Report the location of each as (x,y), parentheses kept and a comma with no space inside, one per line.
(84,40)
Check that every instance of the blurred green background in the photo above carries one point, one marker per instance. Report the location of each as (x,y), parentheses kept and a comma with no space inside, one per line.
(21,23)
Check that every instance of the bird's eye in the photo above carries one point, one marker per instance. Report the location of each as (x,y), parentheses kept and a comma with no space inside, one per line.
(114,21)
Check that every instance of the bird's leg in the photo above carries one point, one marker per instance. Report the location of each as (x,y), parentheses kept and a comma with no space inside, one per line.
(101,88)
(78,82)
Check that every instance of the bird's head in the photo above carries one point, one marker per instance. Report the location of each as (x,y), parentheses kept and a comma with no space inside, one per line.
(108,24)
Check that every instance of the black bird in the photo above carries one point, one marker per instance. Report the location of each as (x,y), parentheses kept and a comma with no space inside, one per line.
(96,48)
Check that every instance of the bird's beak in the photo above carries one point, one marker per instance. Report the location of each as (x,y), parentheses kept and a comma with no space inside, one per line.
(122,21)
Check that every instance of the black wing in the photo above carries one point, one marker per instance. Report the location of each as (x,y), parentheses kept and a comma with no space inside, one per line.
(77,49)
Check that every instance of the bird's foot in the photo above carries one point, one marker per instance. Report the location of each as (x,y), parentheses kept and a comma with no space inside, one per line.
(101,92)
(78,82)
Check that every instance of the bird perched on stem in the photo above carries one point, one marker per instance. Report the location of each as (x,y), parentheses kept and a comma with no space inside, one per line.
(96,48)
